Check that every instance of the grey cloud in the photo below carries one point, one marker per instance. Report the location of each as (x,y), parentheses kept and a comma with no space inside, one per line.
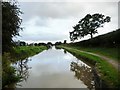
(47,13)
(41,22)
(53,10)
(50,10)
(43,37)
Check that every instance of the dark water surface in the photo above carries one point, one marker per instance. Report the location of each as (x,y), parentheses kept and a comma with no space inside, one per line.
(54,68)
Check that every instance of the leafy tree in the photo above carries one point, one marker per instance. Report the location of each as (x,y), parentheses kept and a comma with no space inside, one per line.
(35,44)
(11,22)
(58,43)
(39,44)
(88,25)
(49,43)
(65,41)
(22,43)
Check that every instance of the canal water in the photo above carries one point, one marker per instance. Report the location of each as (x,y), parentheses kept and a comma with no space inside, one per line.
(54,68)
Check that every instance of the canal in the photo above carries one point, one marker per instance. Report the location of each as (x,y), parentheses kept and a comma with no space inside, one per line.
(54,68)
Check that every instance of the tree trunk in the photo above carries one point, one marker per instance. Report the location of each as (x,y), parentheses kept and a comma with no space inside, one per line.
(91,35)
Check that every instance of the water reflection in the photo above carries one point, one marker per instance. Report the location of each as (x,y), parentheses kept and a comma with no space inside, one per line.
(51,66)
(58,48)
(22,69)
(83,73)
(65,51)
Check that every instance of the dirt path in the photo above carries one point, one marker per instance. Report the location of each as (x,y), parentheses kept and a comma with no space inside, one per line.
(111,61)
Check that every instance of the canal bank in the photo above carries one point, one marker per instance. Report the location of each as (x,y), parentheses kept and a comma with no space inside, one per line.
(20,53)
(105,71)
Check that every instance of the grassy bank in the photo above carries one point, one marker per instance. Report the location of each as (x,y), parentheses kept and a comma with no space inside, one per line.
(23,52)
(106,71)
(9,75)
(107,44)
(112,53)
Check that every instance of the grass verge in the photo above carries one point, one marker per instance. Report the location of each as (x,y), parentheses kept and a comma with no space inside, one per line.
(23,52)
(106,71)
(112,53)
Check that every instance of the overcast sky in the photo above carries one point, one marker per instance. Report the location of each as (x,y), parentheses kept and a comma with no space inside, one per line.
(52,21)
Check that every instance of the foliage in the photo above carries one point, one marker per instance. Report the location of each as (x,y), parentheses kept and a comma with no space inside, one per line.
(110,39)
(8,72)
(41,44)
(11,22)
(58,43)
(49,43)
(65,41)
(88,25)
(22,43)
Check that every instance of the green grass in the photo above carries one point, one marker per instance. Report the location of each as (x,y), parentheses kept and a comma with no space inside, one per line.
(23,52)
(109,52)
(107,72)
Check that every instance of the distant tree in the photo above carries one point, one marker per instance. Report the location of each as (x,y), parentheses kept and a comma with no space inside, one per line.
(65,41)
(22,43)
(11,22)
(58,43)
(88,25)
(49,43)
(27,44)
(39,44)
(31,44)
(35,44)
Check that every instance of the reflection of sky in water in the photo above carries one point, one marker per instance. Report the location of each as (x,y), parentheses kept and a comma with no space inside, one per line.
(51,68)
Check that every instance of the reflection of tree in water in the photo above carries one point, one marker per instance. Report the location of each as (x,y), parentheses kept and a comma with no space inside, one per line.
(65,51)
(22,69)
(83,73)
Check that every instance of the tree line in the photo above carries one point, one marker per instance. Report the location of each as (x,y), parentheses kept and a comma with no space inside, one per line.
(23,43)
